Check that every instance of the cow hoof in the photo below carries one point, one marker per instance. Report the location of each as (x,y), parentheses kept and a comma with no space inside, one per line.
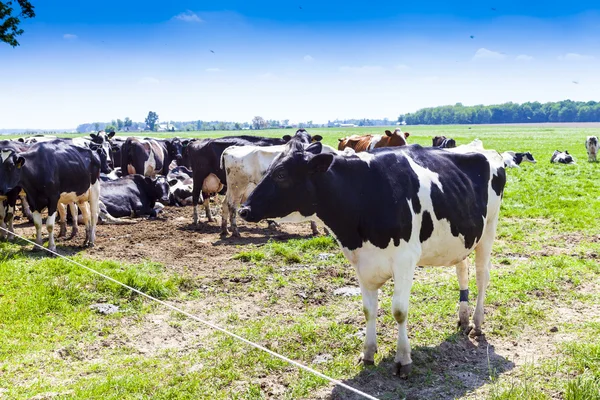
(463,327)
(403,371)
(475,332)
(224,234)
(368,362)
(235,234)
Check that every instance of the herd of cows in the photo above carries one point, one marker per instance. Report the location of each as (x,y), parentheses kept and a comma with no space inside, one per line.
(391,206)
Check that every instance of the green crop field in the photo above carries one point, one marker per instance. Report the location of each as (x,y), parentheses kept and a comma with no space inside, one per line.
(542,327)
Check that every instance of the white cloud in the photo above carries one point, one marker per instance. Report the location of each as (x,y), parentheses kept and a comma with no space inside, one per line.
(365,69)
(430,79)
(213,69)
(575,57)
(308,58)
(188,16)
(69,36)
(485,54)
(401,67)
(268,75)
(524,57)
(148,80)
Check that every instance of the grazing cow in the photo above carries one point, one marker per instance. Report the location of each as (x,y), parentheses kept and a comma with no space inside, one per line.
(134,195)
(443,142)
(205,158)
(370,142)
(513,160)
(591,145)
(149,157)
(53,173)
(562,157)
(391,210)
(244,167)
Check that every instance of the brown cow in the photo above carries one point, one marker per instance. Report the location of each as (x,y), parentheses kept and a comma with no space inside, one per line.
(443,142)
(370,142)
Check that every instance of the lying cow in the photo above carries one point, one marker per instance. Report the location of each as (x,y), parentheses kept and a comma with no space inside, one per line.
(205,158)
(245,166)
(149,157)
(181,185)
(370,142)
(591,145)
(443,142)
(53,173)
(513,160)
(418,217)
(134,196)
(562,157)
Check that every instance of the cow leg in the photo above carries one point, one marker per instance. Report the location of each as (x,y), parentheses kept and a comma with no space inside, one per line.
(85,213)
(9,219)
(94,203)
(74,215)
(26,209)
(50,228)
(37,222)
(195,200)
(224,216)
(62,219)
(403,279)
(483,256)
(207,208)
(462,272)
(313,227)
(233,221)
(3,212)
(369,298)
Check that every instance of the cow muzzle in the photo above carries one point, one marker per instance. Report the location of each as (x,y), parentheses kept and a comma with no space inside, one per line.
(244,213)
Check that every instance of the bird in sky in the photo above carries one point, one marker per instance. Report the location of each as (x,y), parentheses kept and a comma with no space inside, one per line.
(472,36)
(575,82)
(212,51)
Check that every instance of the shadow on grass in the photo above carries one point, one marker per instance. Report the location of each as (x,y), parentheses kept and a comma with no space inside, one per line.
(457,366)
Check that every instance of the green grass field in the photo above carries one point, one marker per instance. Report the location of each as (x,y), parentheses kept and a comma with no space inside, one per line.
(542,309)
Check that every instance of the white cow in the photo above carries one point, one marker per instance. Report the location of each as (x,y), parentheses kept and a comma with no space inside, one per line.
(244,167)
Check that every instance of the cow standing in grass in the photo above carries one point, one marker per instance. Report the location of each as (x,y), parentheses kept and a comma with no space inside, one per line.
(391,210)
(591,145)
(370,142)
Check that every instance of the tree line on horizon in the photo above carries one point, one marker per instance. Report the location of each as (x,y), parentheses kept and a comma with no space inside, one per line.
(560,111)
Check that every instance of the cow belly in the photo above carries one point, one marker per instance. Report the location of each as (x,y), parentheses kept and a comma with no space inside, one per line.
(72,197)
(131,169)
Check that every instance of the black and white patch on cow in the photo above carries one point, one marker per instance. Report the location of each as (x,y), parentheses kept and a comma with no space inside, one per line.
(513,160)
(391,210)
(134,196)
(562,157)
(591,145)
(150,157)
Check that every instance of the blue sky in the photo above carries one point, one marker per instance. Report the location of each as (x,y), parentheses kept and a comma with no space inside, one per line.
(305,60)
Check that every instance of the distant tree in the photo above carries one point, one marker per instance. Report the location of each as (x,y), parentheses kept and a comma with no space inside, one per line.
(259,123)
(286,122)
(127,123)
(110,128)
(119,124)
(96,126)
(11,18)
(237,126)
(151,120)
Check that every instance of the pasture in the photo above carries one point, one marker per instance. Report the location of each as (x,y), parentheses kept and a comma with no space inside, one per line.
(277,288)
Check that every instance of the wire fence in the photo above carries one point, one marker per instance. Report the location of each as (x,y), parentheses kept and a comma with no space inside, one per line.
(198,319)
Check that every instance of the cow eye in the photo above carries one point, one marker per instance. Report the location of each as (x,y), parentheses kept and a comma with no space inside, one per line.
(280,174)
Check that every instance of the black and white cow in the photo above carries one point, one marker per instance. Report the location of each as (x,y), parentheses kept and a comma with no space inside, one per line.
(181,185)
(149,157)
(205,159)
(36,139)
(591,145)
(390,210)
(8,200)
(443,142)
(562,157)
(53,173)
(134,196)
(513,160)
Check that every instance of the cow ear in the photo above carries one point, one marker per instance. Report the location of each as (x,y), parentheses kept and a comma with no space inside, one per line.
(173,182)
(111,134)
(388,133)
(320,163)
(21,140)
(314,148)
(20,161)
(93,135)
(287,138)
(406,135)
(317,138)
(148,180)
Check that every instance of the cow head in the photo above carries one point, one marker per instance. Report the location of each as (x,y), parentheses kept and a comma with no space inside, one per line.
(10,170)
(527,156)
(438,140)
(103,140)
(159,188)
(103,155)
(288,185)
(175,149)
(303,137)
(397,138)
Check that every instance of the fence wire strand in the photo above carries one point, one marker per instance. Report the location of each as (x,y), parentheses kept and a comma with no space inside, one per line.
(198,319)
